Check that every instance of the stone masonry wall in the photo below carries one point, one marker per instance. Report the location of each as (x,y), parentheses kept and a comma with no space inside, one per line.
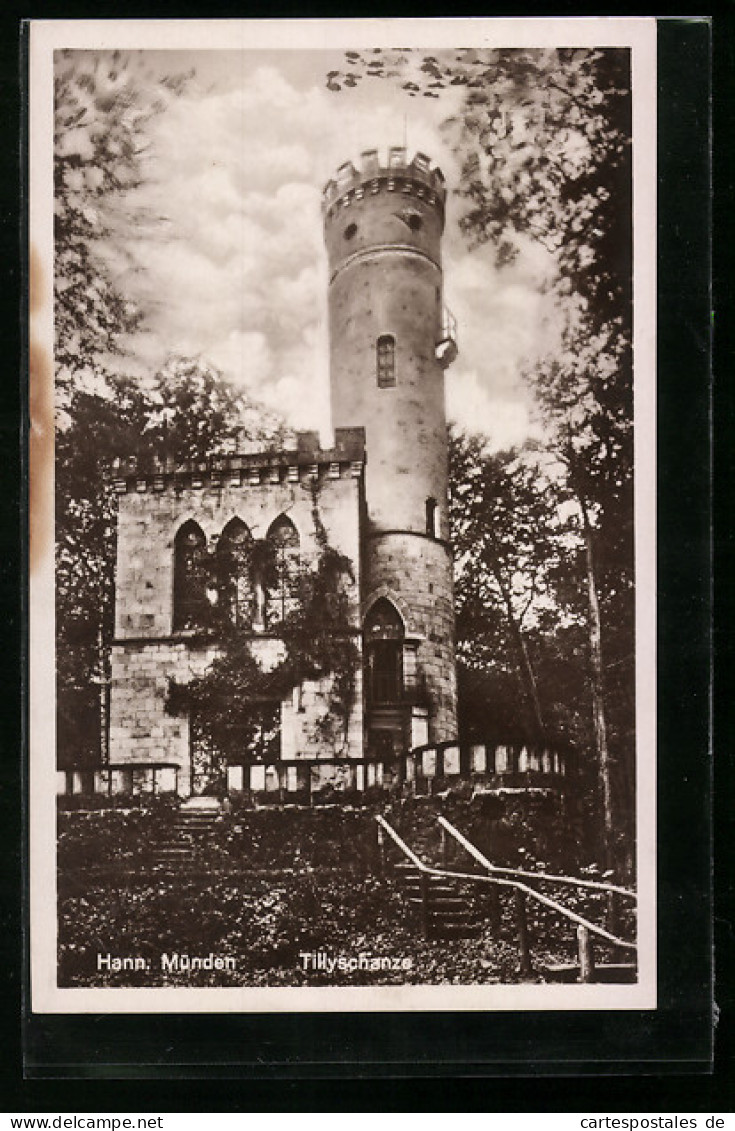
(148,522)
(383,225)
(147,653)
(416,573)
(142,730)
(405,424)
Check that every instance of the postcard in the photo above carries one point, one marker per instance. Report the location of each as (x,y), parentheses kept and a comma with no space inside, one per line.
(342,562)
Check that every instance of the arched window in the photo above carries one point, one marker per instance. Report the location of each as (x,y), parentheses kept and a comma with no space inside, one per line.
(235,587)
(432,518)
(385,358)
(383,634)
(283,594)
(190,577)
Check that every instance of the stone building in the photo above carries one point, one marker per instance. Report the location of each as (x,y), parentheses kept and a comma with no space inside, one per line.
(381,494)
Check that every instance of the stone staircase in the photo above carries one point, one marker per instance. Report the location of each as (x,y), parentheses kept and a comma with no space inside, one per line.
(445,908)
(193,825)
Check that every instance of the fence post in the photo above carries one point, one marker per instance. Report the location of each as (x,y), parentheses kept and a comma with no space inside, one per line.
(424,885)
(494,900)
(381,850)
(586,958)
(525,968)
(444,845)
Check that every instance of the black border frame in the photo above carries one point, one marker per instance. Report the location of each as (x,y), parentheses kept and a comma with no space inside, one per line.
(677,1038)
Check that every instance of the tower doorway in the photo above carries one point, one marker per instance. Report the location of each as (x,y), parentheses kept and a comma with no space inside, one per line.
(386,717)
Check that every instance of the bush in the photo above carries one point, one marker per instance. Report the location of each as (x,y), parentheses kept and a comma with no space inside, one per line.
(271,883)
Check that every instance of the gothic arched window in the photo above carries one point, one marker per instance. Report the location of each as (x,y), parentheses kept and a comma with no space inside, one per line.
(190,577)
(283,595)
(432,518)
(235,587)
(384,634)
(385,360)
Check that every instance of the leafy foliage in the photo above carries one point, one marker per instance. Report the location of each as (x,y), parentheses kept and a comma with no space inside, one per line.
(586,399)
(187,412)
(543,139)
(276,891)
(525,661)
(509,538)
(104,102)
(316,643)
(543,143)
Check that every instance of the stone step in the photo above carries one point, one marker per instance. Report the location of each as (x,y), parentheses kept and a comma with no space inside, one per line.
(193,826)
(195,820)
(453,930)
(440,903)
(189,830)
(201,804)
(436,888)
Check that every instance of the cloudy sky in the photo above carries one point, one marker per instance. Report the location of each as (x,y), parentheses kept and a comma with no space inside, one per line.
(236,273)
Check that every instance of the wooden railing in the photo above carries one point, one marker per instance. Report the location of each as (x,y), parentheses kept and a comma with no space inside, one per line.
(482,762)
(585,928)
(427,770)
(424,770)
(494,869)
(139,778)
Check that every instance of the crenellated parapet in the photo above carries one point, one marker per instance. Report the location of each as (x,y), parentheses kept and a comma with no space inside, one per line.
(417,178)
(307,461)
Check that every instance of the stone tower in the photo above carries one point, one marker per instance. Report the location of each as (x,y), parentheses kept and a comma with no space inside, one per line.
(390,342)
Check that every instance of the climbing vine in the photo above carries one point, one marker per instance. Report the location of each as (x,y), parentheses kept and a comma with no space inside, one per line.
(235,698)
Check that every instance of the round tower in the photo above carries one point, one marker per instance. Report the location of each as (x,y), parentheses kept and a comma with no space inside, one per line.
(390,341)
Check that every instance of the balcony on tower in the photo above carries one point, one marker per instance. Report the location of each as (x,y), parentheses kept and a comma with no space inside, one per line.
(446,346)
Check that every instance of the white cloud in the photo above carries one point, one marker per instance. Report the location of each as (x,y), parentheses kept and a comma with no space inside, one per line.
(237,272)
(474,407)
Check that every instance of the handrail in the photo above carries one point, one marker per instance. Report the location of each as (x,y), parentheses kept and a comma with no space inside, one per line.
(402,844)
(570,881)
(445,873)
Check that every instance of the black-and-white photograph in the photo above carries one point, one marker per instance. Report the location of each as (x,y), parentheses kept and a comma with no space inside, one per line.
(342,519)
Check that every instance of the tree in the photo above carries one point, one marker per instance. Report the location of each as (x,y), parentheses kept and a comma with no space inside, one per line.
(514,553)
(502,543)
(543,140)
(104,102)
(186,413)
(582,394)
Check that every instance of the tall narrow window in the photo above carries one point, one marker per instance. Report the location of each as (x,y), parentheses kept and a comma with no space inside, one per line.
(386,360)
(283,594)
(235,587)
(432,518)
(190,577)
(384,635)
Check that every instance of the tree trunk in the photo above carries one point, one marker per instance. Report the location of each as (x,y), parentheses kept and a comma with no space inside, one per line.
(527,672)
(103,664)
(598,702)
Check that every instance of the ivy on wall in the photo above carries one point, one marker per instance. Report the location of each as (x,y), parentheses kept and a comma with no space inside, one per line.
(315,642)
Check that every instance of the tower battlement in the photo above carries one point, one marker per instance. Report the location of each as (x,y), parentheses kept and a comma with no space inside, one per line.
(416,177)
